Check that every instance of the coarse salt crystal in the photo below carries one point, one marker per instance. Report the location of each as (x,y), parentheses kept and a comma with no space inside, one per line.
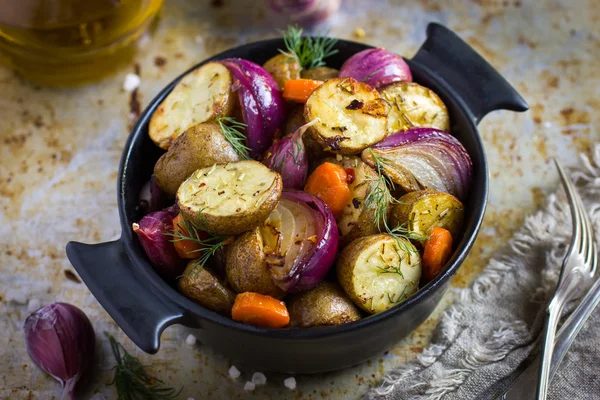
(234,372)
(190,398)
(191,340)
(259,378)
(290,383)
(249,386)
(131,82)
(33,305)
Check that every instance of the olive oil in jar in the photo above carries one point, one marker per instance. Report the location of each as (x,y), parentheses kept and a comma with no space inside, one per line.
(67,42)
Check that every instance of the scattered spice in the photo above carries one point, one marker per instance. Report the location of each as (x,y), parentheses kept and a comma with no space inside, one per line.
(159,61)
(70,275)
(334,142)
(355,105)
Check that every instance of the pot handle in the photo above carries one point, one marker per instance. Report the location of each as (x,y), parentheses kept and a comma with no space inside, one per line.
(477,83)
(140,312)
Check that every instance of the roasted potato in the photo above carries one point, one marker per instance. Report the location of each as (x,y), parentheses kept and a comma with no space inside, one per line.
(246,267)
(325,305)
(282,67)
(414,105)
(423,210)
(202,286)
(294,120)
(379,271)
(200,146)
(230,199)
(356,219)
(353,115)
(319,73)
(202,95)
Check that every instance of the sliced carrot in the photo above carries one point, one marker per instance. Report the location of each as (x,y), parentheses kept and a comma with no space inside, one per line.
(329,182)
(261,310)
(438,249)
(186,248)
(299,90)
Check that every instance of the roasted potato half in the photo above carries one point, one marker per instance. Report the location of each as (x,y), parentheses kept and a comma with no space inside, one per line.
(319,73)
(379,271)
(353,115)
(325,305)
(202,95)
(230,199)
(414,105)
(202,286)
(423,210)
(200,146)
(282,67)
(246,267)
(357,219)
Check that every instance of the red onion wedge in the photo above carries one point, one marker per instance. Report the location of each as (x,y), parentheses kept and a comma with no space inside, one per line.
(263,107)
(153,231)
(376,68)
(301,240)
(151,197)
(288,157)
(424,158)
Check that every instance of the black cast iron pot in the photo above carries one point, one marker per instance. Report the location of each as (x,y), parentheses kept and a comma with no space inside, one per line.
(143,305)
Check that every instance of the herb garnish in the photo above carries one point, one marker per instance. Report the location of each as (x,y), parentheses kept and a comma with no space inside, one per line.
(234,134)
(132,381)
(310,52)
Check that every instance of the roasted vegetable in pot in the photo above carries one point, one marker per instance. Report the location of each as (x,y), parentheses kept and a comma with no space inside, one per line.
(359,219)
(295,119)
(299,90)
(200,146)
(263,108)
(282,68)
(353,115)
(376,67)
(204,287)
(423,210)
(329,182)
(246,265)
(260,310)
(230,199)
(414,105)
(301,240)
(325,305)
(319,73)
(153,231)
(202,95)
(379,271)
(423,158)
(437,252)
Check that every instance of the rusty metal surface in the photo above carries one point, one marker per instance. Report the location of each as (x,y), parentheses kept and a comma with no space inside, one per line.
(60,150)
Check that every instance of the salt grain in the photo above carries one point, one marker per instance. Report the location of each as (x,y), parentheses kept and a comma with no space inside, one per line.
(234,372)
(190,398)
(290,383)
(191,340)
(33,305)
(249,386)
(132,82)
(259,378)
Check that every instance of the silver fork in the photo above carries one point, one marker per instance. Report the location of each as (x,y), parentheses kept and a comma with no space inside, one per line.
(578,268)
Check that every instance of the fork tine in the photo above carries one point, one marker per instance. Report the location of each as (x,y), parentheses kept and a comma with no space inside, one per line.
(575,216)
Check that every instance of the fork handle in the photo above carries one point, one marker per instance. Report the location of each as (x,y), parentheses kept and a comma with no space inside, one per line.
(552,317)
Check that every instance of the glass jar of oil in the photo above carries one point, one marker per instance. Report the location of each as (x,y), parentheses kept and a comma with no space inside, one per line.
(68,42)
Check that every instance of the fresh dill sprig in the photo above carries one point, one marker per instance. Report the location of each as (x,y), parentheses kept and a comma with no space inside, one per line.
(310,52)
(132,380)
(234,134)
(401,297)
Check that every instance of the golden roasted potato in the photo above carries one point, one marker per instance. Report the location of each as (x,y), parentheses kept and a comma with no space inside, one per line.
(319,73)
(423,210)
(202,95)
(246,267)
(379,271)
(200,146)
(282,67)
(353,115)
(230,199)
(325,305)
(202,286)
(414,105)
(356,219)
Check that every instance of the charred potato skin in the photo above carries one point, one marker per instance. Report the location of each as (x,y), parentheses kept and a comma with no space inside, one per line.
(167,124)
(203,287)
(449,210)
(325,305)
(319,73)
(246,267)
(200,146)
(283,68)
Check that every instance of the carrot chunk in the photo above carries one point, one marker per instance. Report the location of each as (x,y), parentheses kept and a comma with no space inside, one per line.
(438,249)
(329,182)
(299,90)
(261,310)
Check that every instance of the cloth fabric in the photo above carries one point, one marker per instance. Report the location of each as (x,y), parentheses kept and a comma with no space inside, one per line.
(490,334)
